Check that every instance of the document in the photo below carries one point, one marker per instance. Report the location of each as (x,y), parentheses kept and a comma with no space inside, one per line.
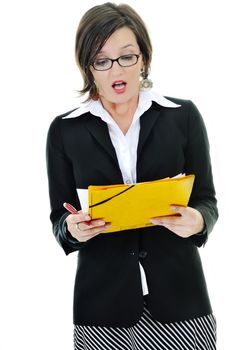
(131,206)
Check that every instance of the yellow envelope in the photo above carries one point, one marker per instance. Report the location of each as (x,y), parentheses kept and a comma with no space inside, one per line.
(131,206)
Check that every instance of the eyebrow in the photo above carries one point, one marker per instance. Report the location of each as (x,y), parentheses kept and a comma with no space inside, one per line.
(121,48)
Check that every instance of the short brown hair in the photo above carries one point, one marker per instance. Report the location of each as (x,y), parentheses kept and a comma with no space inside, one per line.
(95,28)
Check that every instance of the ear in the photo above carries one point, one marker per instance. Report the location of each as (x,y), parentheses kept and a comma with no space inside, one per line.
(142,67)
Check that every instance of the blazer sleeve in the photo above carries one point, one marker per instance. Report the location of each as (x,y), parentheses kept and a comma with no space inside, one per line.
(198,162)
(62,187)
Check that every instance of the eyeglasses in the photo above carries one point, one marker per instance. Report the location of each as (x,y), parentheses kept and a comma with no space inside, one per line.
(123,61)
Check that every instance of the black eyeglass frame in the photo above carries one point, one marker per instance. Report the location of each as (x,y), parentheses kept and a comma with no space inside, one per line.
(117,60)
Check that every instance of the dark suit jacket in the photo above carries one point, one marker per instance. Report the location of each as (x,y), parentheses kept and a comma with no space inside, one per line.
(108,288)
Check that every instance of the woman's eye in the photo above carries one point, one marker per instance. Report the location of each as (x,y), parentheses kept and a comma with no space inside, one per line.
(101,62)
(127,58)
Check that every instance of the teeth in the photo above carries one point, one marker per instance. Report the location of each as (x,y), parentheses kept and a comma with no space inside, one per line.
(119,85)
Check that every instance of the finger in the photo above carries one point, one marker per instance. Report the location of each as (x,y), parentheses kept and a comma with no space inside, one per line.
(93,231)
(100,229)
(166,220)
(177,226)
(83,236)
(178,209)
(83,226)
(75,218)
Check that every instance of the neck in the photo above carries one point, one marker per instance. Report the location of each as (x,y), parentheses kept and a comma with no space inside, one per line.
(120,111)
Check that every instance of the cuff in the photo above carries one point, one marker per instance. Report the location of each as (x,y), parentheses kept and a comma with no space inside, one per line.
(200,238)
(66,234)
(70,244)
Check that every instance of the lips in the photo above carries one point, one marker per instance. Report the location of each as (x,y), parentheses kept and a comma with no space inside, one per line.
(119,86)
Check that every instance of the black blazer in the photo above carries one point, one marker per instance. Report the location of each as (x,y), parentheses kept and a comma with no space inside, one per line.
(108,289)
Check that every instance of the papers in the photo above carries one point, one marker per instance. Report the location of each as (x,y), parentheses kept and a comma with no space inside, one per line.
(83,198)
(132,206)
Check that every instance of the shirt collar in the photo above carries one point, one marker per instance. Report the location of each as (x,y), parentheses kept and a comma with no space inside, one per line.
(145,101)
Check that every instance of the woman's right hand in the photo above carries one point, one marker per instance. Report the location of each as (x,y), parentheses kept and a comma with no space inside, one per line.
(83,228)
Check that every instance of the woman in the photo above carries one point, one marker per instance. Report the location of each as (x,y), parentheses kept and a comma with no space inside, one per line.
(141,288)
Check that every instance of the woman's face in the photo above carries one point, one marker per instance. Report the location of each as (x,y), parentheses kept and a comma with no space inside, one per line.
(121,42)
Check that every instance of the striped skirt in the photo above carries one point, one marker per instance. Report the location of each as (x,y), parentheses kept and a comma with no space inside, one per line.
(149,334)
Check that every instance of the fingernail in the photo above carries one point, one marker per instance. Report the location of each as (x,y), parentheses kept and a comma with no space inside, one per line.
(154,221)
(173,208)
(87,217)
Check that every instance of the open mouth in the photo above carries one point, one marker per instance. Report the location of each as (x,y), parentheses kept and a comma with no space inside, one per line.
(119,86)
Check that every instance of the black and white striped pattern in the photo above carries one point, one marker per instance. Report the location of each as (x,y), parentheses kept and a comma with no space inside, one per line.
(148,334)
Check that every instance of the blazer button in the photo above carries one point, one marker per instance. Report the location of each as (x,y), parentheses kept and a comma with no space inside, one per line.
(142,254)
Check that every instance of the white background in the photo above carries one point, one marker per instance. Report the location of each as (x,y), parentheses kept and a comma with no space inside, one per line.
(192,60)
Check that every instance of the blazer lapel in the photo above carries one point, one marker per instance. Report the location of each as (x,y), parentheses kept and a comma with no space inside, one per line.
(147,122)
(100,132)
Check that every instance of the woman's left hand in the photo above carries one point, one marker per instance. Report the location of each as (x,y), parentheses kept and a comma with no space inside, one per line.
(188,223)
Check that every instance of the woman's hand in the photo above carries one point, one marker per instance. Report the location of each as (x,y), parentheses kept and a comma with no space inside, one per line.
(188,223)
(83,228)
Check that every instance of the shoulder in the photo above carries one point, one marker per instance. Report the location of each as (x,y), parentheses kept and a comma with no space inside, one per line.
(68,125)
(68,118)
(170,105)
(186,116)
(184,103)
(187,107)
(190,115)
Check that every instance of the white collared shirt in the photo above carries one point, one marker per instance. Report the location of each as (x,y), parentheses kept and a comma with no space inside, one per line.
(125,145)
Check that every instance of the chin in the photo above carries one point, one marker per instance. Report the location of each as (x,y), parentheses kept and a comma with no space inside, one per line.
(123,98)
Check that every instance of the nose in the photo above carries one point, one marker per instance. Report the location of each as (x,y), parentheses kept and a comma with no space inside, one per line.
(116,68)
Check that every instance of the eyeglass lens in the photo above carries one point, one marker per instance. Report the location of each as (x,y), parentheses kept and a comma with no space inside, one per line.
(124,61)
